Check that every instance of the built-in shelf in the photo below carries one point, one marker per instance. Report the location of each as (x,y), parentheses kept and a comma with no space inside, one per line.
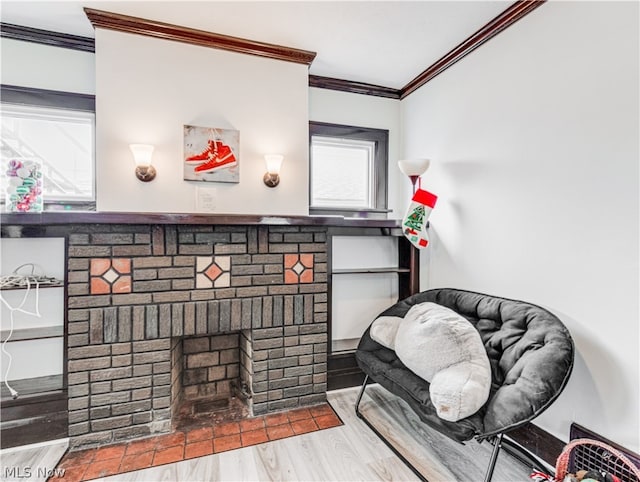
(57,284)
(370,270)
(30,387)
(342,367)
(33,333)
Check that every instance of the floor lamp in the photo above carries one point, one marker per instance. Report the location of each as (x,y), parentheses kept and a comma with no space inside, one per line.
(414,168)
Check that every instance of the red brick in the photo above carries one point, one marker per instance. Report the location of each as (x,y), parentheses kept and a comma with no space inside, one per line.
(168,455)
(289,260)
(280,431)
(99,266)
(198,449)
(254,437)
(99,286)
(328,421)
(141,446)
(110,452)
(204,433)
(306,260)
(306,276)
(276,419)
(290,277)
(321,410)
(122,285)
(228,428)
(123,265)
(170,440)
(299,414)
(250,424)
(304,426)
(223,444)
(136,461)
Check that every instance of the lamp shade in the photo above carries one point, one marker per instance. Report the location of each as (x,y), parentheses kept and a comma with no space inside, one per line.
(414,167)
(141,154)
(273,162)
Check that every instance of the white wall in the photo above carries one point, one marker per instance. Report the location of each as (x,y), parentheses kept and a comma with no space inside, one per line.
(367,111)
(40,66)
(534,139)
(148,89)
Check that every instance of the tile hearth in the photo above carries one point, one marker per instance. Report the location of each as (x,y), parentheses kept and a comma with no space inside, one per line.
(196,441)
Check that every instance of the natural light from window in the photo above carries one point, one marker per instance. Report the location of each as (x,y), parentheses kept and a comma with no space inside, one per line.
(341,173)
(63,140)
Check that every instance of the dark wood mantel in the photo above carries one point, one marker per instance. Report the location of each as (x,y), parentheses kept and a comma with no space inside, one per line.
(88,217)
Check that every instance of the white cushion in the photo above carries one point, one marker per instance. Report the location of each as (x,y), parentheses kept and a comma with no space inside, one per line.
(383,330)
(442,347)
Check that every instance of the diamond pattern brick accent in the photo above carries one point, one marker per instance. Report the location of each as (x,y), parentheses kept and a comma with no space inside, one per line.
(298,268)
(213,272)
(110,276)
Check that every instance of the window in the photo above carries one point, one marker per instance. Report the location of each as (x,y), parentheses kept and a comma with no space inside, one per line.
(348,172)
(56,128)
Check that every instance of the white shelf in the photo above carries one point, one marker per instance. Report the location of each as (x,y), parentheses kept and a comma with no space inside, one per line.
(32,333)
(370,270)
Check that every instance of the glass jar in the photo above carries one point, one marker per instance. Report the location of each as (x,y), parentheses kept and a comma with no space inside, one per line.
(24,186)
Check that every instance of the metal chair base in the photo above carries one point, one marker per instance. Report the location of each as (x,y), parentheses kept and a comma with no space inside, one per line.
(497,441)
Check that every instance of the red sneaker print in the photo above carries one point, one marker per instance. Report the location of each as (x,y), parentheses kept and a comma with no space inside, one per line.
(223,158)
(208,154)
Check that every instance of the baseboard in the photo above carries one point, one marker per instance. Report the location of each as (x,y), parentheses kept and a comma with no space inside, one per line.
(50,426)
(343,371)
(539,442)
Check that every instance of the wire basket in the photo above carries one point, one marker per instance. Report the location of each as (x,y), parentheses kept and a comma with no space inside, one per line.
(588,454)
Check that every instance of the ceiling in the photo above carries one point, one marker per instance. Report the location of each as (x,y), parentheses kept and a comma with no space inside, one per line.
(385,43)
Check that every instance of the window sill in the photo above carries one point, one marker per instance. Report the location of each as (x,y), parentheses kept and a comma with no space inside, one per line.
(58,206)
(350,213)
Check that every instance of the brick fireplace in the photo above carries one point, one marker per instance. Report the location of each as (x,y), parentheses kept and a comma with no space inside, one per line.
(159,313)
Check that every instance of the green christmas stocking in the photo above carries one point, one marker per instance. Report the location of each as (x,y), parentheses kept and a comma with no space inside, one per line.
(414,224)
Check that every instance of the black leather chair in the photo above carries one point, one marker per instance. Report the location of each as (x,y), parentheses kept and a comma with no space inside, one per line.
(530,351)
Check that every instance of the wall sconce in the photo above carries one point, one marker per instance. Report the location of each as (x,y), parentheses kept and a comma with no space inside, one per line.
(272,176)
(142,157)
(414,168)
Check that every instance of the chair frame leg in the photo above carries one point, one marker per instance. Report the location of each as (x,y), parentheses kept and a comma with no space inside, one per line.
(382,437)
(497,444)
(364,385)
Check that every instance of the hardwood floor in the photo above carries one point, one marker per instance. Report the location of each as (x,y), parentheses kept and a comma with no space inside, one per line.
(436,457)
(34,463)
(346,453)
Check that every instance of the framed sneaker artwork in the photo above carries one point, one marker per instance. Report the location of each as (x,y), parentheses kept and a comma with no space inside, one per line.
(211,154)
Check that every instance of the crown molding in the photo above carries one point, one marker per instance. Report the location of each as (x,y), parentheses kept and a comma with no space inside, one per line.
(125,23)
(47,37)
(16,94)
(507,18)
(353,87)
(167,31)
